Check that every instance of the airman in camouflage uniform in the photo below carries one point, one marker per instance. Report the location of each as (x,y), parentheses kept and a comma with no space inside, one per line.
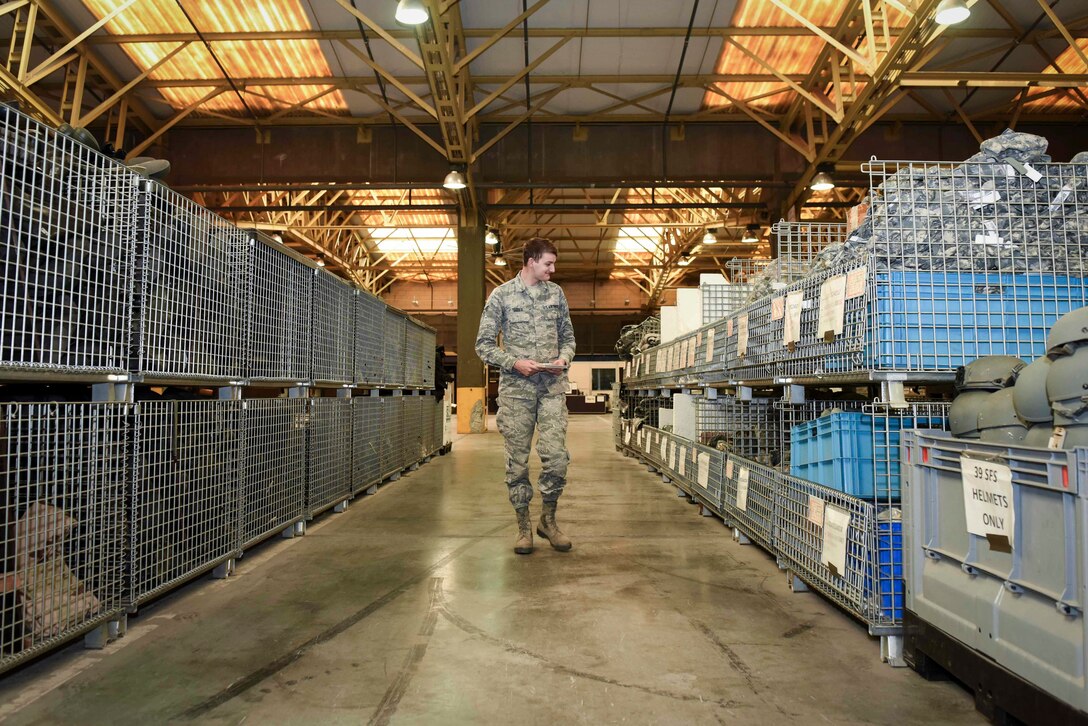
(533,317)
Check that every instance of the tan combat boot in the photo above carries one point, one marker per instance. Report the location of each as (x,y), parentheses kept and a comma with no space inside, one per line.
(524,544)
(549,530)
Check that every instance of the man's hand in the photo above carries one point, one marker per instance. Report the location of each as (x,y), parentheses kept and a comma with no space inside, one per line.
(527,367)
(556,362)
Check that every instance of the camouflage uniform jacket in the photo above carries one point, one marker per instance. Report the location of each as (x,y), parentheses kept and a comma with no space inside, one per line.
(534,326)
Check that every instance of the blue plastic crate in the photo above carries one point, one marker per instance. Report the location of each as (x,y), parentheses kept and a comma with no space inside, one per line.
(835,451)
(942,320)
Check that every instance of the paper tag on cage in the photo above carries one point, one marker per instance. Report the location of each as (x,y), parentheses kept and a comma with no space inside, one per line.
(983,197)
(682,469)
(778,308)
(710,345)
(729,469)
(742,336)
(988,500)
(704,470)
(1060,198)
(855,282)
(816,510)
(988,239)
(742,488)
(832,306)
(791,327)
(665,451)
(836,533)
(1057,438)
(1025,169)
(729,327)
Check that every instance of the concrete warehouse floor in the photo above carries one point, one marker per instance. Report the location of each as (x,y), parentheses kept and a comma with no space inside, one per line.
(412,608)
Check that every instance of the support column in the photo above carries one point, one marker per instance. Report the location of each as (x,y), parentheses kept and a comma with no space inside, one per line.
(471,375)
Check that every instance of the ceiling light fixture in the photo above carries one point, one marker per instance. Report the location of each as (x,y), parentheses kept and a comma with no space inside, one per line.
(411,12)
(491,238)
(684,260)
(950,12)
(454,180)
(751,234)
(822,182)
(500,261)
(709,237)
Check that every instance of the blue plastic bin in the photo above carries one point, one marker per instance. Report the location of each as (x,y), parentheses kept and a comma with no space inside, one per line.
(835,451)
(889,572)
(942,320)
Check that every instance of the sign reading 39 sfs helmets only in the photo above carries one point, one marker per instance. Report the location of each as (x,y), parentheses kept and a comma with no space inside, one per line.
(987,501)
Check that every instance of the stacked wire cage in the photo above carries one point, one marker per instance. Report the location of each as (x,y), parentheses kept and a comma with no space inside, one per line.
(67,241)
(366,442)
(65,475)
(748,428)
(329,445)
(394,362)
(333,329)
(190,290)
(280,310)
(185,491)
(274,474)
(369,339)
(392,435)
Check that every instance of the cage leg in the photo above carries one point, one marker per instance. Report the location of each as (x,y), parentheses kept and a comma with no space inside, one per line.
(371,490)
(341,507)
(796,583)
(295,530)
(665,478)
(98,638)
(740,538)
(681,493)
(893,393)
(414,466)
(395,476)
(118,627)
(224,570)
(891,651)
(705,511)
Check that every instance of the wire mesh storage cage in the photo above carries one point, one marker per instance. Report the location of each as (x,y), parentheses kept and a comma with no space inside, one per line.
(190,289)
(861,576)
(794,414)
(329,479)
(334,329)
(392,433)
(412,442)
(185,491)
(704,468)
(720,300)
(274,475)
(394,363)
(749,493)
(747,428)
(369,339)
(366,442)
(429,409)
(413,354)
(799,243)
(954,262)
(280,312)
(67,233)
(429,340)
(63,481)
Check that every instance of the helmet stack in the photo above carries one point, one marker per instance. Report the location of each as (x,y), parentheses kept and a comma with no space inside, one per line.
(1067,378)
(976,383)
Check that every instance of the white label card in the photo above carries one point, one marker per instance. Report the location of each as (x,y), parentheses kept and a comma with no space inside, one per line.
(832,306)
(855,282)
(778,308)
(728,468)
(704,470)
(742,488)
(729,327)
(710,345)
(683,468)
(987,501)
(742,335)
(836,534)
(816,510)
(665,451)
(791,328)
(627,437)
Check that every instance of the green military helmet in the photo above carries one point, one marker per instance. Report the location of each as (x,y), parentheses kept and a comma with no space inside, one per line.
(1029,393)
(1068,333)
(1038,436)
(989,373)
(997,419)
(963,414)
(1067,388)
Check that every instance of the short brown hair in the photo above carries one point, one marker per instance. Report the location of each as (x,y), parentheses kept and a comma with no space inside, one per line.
(536,248)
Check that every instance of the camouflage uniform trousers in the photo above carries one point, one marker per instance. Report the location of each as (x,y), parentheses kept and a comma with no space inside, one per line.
(517,418)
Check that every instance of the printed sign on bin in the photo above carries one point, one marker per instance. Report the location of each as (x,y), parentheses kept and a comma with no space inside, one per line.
(836,533)
(987,501)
